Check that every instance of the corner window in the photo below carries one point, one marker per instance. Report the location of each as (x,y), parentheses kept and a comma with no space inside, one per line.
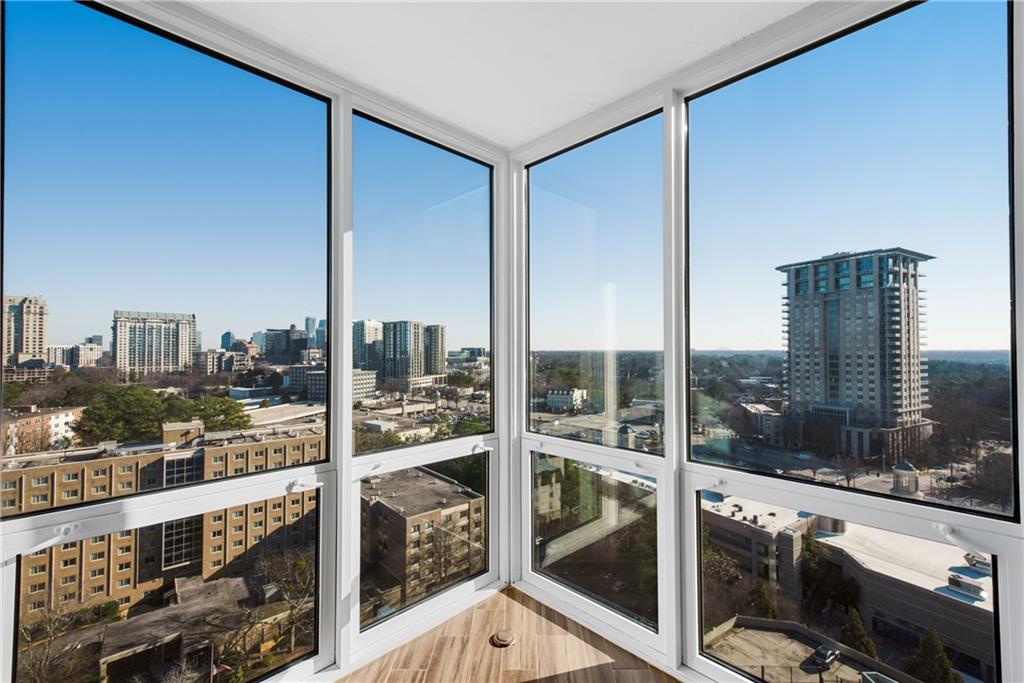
(596,366)
(772,198)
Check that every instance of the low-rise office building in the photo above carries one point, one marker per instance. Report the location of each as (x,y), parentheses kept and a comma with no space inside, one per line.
(902,579)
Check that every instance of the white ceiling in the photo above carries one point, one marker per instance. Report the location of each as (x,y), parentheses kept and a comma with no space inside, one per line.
(506,72)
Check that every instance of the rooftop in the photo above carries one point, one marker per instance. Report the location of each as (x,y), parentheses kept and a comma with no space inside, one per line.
(926,564)
(844,255)
(205,609)
(151,315)
(416,490)
(769,517)
(212,439)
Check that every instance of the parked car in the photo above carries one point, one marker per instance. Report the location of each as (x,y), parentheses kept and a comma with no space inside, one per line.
(802,456)
(825,657)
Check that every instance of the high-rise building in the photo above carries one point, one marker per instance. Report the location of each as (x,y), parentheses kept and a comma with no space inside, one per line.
(58,355)
(285,346)
(310,327)
(146,343)
(199,341)
(24,333)
(403,349)
(96,339)
(226,340)
(855,376)
(85,355)
(260,339)
(365,350)
(434,350)
(321,336)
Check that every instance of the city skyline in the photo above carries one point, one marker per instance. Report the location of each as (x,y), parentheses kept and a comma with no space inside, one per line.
(206,160)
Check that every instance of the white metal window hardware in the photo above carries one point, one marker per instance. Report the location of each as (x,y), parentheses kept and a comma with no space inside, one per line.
(296,486)
(954,537)
(60,535)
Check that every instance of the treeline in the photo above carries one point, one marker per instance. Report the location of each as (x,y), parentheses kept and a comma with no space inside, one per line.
(124,413)
(638,375)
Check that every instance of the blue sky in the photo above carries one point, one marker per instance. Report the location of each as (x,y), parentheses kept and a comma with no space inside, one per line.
(131,159)
(595,243)
(421,226)
(144,175)
(893,136)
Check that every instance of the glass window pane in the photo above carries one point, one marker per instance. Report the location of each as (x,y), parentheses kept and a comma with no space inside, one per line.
(846,176)
(596,531)
(174,601)
(788,595)
(152,346)
(596,367)
(423,530)
(421,336)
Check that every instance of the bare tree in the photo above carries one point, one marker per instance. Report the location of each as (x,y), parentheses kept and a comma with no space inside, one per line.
(443,553)
(40,661)
(850,467)
(292,572)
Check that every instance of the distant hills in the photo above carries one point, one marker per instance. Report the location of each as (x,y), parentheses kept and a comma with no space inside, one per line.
(993,356)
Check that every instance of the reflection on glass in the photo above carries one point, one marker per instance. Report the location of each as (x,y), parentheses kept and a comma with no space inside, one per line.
(596,368)
(596,530)
(421,359)
(851,397)
(228,595)
(791,596)
(424,529)
(170,196)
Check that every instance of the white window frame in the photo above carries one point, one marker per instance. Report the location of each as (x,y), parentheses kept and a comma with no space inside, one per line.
(680,480)
(676,646)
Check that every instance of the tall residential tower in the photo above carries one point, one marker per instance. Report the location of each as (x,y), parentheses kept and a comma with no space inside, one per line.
(854,351)
(434,350)
(24,333)
(403,349)
(152,342)
(367,343)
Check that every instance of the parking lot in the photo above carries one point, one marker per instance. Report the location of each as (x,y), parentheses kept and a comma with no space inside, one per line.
(778,657)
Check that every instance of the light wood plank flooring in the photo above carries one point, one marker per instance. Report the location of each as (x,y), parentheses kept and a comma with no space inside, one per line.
(549,649)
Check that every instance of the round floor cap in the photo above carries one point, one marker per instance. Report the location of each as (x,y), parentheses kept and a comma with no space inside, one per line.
(503,638)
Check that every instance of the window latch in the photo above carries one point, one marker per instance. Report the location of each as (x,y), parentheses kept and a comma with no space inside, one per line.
(954,537)
(60,535)
(296,486)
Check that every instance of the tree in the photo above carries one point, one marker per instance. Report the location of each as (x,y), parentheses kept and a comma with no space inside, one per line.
(470,426)
(220,414)
(442,426)
(40,659)
(570,489)
(131,413)
(443,552)
(264,403)
(850,467)
(993,479)
(12,392)
(460,379)
(929,661)
(856,636)
(761,602)
(293,573)
(366,441)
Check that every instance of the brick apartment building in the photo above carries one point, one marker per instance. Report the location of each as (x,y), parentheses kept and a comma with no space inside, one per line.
(420,531)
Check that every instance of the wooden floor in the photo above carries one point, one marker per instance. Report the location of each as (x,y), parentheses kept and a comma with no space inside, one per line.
(549,648)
